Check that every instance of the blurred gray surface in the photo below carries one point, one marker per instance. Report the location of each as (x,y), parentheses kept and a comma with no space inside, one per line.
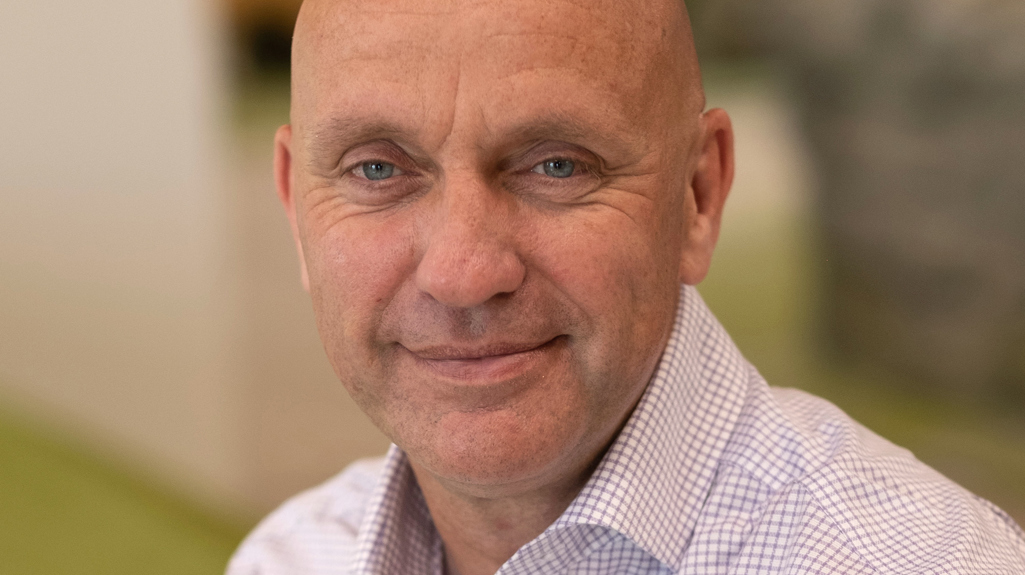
(914,112)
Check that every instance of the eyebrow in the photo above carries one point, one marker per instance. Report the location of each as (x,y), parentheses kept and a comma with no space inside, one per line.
(332,137)
(573,130)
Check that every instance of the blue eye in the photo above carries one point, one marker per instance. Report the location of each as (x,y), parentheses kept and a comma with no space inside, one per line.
(555,168)
(377,170)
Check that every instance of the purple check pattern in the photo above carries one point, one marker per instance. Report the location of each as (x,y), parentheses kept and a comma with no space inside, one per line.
(715,472)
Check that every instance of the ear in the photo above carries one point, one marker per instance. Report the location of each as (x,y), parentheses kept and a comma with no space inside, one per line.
(285,183)
(709,186)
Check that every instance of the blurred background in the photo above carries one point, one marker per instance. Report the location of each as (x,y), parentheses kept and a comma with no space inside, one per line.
(162,385)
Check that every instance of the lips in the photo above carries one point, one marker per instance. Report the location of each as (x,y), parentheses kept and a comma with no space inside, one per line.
(483,364)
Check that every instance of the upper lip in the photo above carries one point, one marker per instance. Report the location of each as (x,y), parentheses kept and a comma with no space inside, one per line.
(465,353)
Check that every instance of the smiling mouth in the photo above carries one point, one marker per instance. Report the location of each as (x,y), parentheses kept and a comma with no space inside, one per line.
(484,364)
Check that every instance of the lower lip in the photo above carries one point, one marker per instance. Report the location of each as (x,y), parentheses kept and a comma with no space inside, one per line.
(490,369)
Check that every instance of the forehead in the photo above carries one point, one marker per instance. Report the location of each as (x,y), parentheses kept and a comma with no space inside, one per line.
(596,35)
(497,57)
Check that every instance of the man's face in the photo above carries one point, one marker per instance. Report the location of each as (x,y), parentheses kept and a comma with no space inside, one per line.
(491,199)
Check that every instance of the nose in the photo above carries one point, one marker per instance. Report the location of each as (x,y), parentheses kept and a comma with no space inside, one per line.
(471,256)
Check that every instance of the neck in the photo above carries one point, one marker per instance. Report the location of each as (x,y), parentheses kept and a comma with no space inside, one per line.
(481,532)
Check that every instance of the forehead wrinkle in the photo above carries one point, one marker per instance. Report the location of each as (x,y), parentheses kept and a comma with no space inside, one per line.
(571,40)
(397,58)
(561,50)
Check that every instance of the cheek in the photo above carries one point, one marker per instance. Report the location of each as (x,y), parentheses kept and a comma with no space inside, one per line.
(611,266)
(356,267)
(623,276)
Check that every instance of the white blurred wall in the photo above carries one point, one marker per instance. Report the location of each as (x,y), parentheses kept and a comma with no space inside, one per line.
(113,244)
(126,296)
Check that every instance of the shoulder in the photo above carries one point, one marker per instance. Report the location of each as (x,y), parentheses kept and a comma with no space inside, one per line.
(313,532)
(824,491)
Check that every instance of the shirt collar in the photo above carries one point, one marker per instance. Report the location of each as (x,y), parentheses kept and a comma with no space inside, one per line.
(397,534)
(649,486)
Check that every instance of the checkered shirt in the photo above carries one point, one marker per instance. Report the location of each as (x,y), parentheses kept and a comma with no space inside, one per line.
(715,472)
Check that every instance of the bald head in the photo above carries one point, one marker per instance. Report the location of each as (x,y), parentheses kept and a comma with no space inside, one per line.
(641,53)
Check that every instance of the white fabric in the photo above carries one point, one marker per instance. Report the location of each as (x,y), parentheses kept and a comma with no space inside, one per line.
(715,472)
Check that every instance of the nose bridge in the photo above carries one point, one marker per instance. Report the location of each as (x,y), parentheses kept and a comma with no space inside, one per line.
(465,202)
(471,254)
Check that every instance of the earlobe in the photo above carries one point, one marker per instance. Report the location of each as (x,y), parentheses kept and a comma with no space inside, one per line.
(285,183)
(709,187)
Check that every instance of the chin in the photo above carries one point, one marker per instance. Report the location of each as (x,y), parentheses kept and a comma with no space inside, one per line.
(489,449)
